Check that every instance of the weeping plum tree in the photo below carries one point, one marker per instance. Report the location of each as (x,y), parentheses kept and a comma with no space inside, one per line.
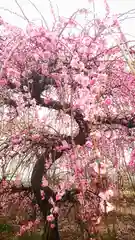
(70,98)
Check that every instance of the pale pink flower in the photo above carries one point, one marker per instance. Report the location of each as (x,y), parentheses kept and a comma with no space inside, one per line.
(36,56)
(79,78)
(44,182)
(83,49)
(56,210)
(17,83)
(17,181)
(51,201)
(85,81)
(81,66)
(109,207)
(65,144)
(102,195)
(72,156)
(87,41)
(47,54)
(15,140)
(42,194)
(74,63)
(35,137)
(11,72)
(88,144)
(110,193)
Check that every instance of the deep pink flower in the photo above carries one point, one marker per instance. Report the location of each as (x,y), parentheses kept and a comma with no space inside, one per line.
(108,101)
(92,82)
(52,225)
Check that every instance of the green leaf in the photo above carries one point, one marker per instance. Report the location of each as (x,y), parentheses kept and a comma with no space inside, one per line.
(98,161)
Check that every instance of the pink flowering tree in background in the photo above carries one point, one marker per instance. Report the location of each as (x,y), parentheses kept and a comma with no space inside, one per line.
(67,101)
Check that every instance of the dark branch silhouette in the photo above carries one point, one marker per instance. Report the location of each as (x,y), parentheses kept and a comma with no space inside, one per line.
(36,84)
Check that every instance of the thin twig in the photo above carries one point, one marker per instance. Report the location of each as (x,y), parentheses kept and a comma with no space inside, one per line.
(8,10)
(22,11)
(39,13)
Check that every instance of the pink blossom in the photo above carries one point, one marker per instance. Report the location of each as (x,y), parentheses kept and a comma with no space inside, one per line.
(108,101)
(31,31)
(74,63)
(92,82)
(107,194)
(59,196)
(85,81)
(11,72)
(37,221)
(47,100)
(3,82)
(72,156)
(87,40)
(109,207)
(56,210)
(17,181)
(47,55)
(88,144)
(30,225)
(51,201)
(79,78)
(81,66)
(36,56)
(50,218)
(15,140)
(17,83)
(52,225)
(42,194)
(44,182)
(23,229)
(36,137)
(83,49)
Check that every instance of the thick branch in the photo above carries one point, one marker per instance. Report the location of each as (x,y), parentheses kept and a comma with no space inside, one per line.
(126,122)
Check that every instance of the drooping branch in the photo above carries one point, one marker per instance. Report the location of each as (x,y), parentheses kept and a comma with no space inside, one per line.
(124,121)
